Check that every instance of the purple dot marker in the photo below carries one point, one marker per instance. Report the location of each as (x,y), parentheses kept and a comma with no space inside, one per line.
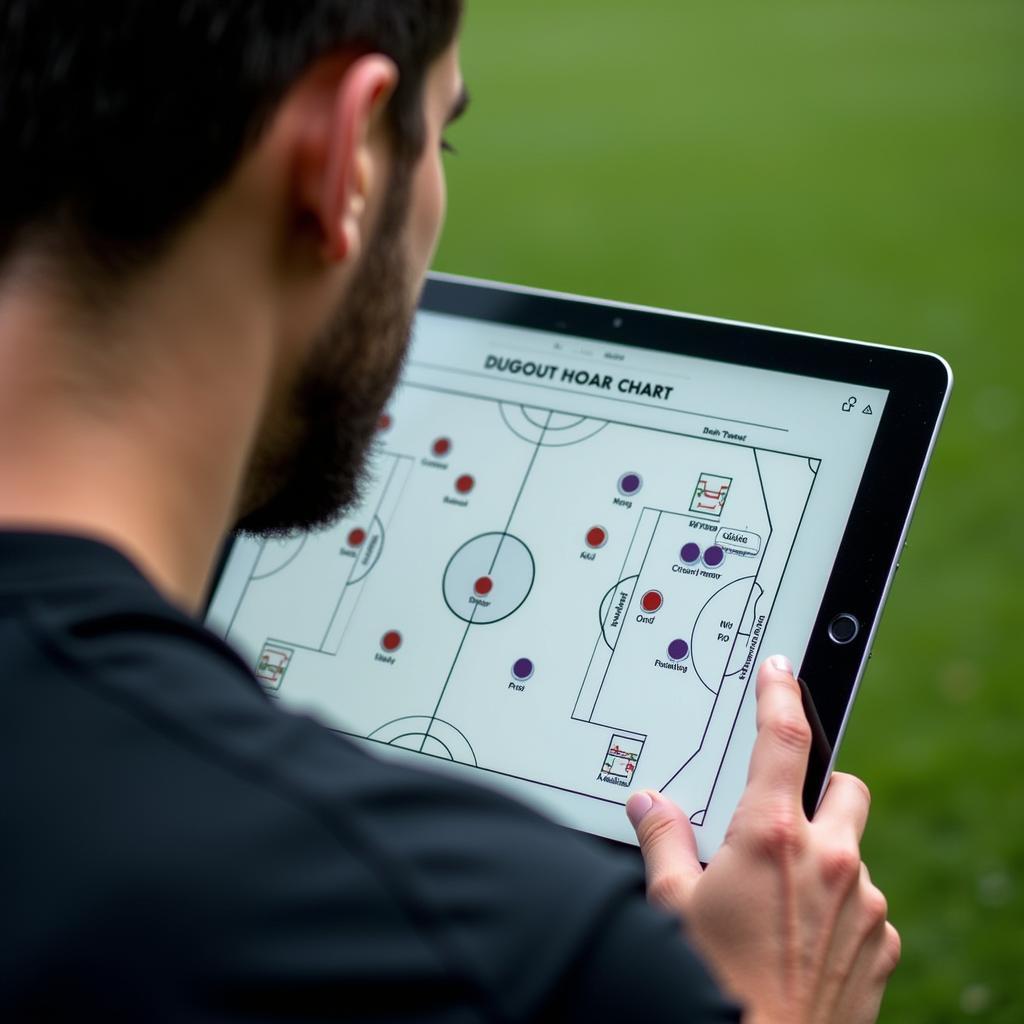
(630,483)
(678,649)
(689,553)
(522,669)
(714,556)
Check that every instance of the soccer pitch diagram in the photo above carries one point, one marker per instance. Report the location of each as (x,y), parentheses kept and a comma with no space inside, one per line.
(571,602)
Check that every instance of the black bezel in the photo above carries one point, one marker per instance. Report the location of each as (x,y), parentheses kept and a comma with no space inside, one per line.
(918,384)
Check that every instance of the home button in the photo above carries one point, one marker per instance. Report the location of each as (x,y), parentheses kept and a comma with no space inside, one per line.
(843,629)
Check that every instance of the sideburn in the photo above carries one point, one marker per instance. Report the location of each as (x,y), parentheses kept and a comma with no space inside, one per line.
(316,464)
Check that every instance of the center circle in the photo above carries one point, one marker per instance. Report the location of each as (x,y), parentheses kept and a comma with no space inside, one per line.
(488,578)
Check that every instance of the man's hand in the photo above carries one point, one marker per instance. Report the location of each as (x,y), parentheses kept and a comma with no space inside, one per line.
(785,912)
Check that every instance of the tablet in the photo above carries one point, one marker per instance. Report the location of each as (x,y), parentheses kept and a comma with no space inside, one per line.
(584,526)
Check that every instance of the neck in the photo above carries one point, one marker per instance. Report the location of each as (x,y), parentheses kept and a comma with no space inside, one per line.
(93,437)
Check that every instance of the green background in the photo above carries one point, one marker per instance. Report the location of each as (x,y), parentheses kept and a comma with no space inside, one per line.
(850,168)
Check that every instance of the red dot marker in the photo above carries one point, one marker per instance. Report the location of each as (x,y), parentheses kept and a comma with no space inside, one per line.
(441,447)
(484,585)
(384,423)
(597,537)
(356,538)
(465,484)
(391,640)
(651,601)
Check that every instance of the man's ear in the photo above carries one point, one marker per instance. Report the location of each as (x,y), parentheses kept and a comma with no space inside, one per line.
(340,161)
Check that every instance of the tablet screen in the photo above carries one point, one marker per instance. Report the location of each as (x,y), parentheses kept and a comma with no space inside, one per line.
(569,558)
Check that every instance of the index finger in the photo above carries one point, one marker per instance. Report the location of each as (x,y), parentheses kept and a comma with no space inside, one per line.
(778,763)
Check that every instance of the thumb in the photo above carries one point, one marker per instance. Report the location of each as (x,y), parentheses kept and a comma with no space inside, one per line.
(669,848)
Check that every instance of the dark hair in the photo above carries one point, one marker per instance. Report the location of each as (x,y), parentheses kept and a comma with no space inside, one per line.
(119,117)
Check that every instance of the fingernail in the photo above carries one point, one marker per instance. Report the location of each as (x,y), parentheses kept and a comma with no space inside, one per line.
(781,664)
(637,806)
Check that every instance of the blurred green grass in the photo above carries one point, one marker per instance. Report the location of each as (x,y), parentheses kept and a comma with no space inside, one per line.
(852,169)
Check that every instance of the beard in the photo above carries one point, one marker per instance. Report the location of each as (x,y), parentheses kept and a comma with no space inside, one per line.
(309,466)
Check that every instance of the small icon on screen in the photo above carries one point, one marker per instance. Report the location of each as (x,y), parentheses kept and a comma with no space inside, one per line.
(850,404)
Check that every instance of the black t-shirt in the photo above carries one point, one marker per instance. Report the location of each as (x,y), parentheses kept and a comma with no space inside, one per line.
(176,847)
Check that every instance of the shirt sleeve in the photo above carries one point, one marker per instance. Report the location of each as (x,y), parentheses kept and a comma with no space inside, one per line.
(274,869)
(639,967)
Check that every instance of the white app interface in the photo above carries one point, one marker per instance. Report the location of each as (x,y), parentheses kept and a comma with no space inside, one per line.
(567,563)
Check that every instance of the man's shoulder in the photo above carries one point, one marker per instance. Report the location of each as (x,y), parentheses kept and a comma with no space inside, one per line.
(203,792)
(221,844)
